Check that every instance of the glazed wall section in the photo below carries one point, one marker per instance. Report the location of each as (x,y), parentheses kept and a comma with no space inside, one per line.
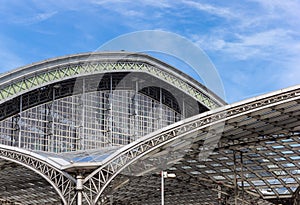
(87,121)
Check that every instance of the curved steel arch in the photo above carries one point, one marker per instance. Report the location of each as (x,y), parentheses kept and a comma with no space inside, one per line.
(62,182)
(35,76)
(97,181)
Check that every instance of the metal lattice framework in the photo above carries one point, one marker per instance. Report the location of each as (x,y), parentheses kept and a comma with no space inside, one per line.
(61,181)
(96,182)
(55,70)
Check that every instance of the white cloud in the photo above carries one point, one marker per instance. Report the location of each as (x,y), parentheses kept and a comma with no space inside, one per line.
(36,18)
(249,35)
(44,16)
(261,43)
(282,12)
(29,12)
(291,7)
(143,3)
(273,45)
(136,9)
(209,8)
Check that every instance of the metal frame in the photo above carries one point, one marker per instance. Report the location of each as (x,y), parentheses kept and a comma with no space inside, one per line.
(96,182)
(51,71)
(62,182)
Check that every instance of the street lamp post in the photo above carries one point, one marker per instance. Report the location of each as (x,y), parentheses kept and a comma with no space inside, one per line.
(164,175)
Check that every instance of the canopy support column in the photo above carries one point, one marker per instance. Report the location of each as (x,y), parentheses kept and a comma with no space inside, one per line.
(79,188)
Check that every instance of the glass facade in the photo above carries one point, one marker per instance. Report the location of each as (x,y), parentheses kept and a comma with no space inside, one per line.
(87,121)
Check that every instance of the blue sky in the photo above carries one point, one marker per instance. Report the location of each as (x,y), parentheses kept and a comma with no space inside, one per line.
(254,44)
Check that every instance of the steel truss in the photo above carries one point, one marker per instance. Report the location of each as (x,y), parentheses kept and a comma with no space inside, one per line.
(98,180)
(62,69)
(62,182)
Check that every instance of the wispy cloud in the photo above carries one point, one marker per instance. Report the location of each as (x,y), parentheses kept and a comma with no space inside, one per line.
(141,3)
(266,36)
(279,13)
(211,9)
(289,7)
(261,38)
(265,44)
(29,12)
(35,18)
(136,9)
